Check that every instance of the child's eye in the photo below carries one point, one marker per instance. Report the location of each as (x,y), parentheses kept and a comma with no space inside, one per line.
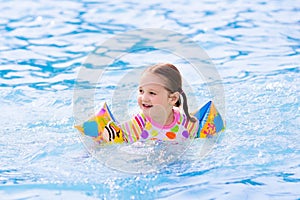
(141,91)
(152,93)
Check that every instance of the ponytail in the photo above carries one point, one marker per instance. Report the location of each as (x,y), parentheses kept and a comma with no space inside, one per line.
(185,106)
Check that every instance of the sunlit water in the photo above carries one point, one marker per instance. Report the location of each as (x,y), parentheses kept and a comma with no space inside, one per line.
(255,47)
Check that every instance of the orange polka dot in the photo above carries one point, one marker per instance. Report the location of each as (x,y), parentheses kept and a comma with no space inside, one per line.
(171,135)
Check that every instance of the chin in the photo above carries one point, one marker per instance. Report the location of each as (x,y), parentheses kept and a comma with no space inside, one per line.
(145,112)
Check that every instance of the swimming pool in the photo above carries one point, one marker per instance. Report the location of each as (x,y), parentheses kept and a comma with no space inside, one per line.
(255,47)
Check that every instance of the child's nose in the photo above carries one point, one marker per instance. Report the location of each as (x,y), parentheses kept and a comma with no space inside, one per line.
(145,97)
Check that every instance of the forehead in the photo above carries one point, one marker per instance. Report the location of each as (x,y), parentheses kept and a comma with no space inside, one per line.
(150,79)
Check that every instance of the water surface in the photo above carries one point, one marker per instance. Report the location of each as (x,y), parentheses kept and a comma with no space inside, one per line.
(255,47)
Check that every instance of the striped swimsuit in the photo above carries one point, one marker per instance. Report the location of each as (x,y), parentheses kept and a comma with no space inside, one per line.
(140,128)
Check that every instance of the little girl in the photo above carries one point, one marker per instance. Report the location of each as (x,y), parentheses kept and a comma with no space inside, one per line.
(160,89)
(159,98)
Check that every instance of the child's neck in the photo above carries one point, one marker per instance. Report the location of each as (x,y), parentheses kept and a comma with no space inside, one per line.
(165,121)
(170,118)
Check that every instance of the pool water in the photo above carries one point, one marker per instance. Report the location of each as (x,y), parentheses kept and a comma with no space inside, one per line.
(255,47)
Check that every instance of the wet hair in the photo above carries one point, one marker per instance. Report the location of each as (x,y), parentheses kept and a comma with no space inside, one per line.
(173,83)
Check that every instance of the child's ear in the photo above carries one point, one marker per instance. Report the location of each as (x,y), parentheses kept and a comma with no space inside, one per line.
(174,98)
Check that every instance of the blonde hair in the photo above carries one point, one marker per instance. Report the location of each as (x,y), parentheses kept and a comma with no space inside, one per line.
(173,83)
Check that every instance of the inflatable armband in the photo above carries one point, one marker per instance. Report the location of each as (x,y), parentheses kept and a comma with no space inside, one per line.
(102,127)
(210,121)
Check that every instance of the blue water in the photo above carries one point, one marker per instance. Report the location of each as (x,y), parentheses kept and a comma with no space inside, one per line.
(255,47)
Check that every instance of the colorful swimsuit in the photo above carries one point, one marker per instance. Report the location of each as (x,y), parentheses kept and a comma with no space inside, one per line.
(141,128)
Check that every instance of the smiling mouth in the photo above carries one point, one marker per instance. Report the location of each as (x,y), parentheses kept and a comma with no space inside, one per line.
(147,106)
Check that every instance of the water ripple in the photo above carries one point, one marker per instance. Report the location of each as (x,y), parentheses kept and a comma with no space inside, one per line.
(255,46)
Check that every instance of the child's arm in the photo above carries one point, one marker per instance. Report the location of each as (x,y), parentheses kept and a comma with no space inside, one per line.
(133,128)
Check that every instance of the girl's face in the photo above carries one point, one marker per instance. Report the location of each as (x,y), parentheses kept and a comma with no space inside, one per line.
(154,100)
